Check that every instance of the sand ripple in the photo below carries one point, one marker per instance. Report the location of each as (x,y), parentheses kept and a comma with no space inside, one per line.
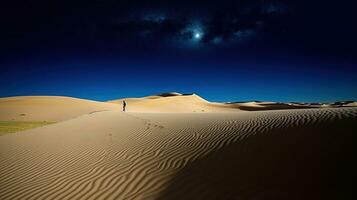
(115,155)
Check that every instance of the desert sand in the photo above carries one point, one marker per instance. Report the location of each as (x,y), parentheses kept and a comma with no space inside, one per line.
(101,152)
(173,102)
(187,103)
(48,108)
(59,108)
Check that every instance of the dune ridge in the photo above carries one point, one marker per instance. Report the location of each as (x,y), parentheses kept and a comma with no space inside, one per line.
(186,103)
(59,108)
(172,102)
(115,155)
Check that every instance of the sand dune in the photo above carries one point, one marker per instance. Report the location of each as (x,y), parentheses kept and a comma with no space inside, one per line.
(57,108)
(176,102)
(173,102)
(48,108)
(257,106)
(289,154)
(351,104)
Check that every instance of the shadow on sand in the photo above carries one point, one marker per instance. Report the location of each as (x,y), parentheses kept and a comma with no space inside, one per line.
(312,162)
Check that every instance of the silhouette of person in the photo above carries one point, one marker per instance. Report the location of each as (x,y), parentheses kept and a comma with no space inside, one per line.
(124,105)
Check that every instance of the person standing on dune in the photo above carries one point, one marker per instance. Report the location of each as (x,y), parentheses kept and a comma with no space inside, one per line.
(124,105)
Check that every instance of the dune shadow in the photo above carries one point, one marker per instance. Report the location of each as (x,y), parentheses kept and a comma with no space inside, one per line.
(311,162)
(274,107)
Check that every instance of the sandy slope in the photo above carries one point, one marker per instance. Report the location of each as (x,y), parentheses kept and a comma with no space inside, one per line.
(289,154)
(57,108)
(187,103)
(48,108)
(173,103)
(176,102)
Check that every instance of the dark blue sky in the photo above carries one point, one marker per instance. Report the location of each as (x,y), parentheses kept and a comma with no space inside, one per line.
(222,50)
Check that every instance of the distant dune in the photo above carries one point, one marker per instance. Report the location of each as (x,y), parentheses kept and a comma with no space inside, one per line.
(48,108)
(176,102)
(288,154)
(173,102)
(57,108)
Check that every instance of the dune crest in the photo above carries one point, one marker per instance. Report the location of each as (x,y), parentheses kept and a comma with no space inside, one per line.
(173,102)
(58,108)
(187,103)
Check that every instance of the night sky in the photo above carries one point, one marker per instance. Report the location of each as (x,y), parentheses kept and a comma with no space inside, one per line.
(271,50)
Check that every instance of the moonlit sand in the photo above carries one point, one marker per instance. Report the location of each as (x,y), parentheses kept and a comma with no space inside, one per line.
(174,146)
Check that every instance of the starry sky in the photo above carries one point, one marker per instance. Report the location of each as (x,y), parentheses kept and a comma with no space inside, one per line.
(223,50)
